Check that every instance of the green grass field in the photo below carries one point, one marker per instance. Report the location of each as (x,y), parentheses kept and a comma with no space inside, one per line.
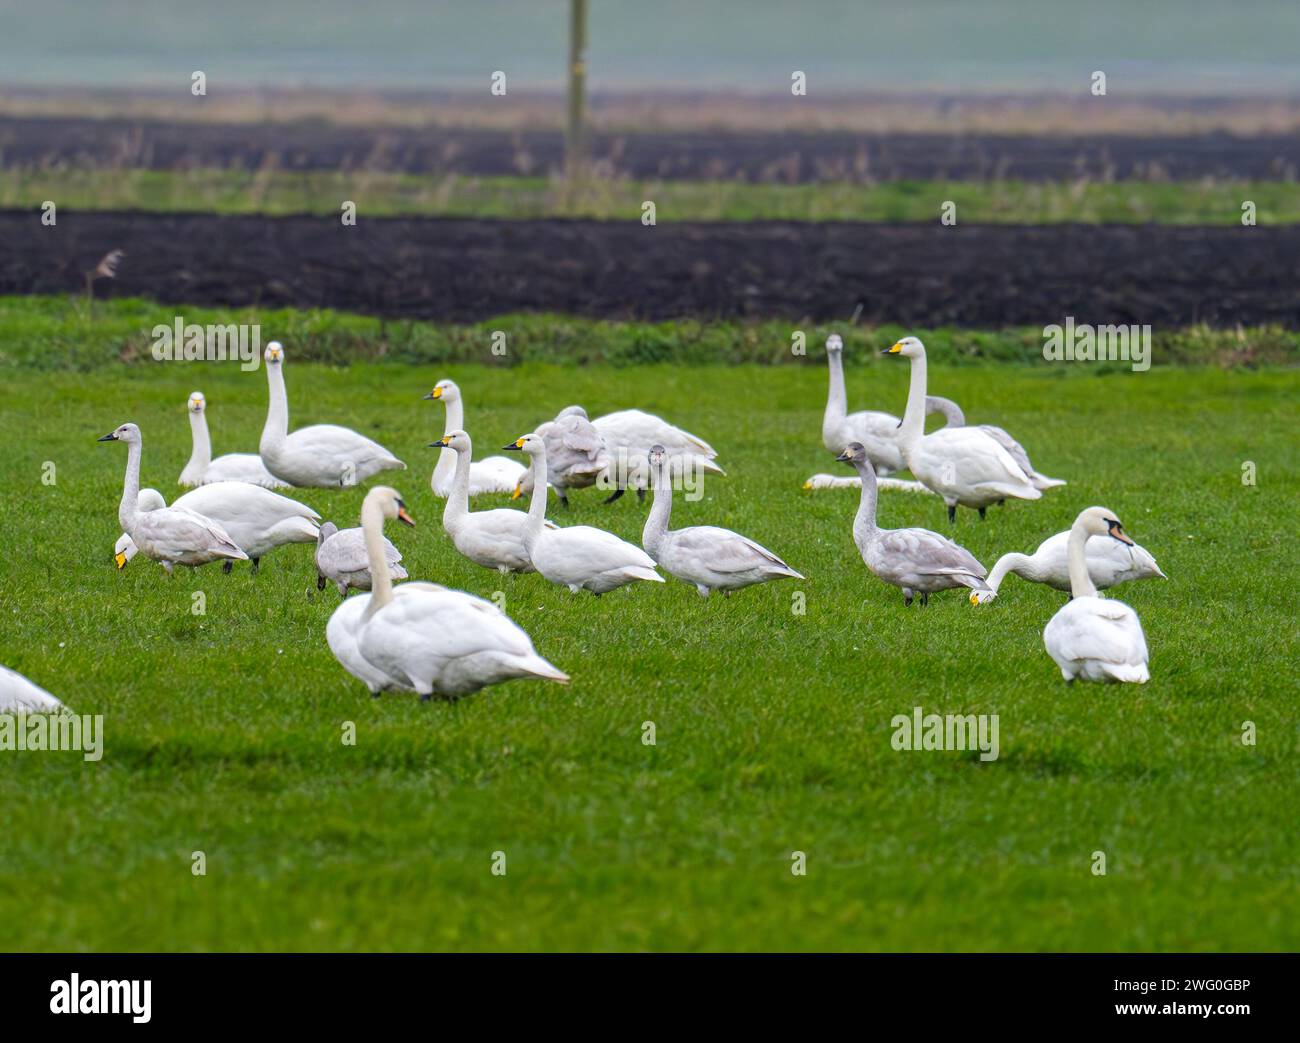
(223,731)
(380,194)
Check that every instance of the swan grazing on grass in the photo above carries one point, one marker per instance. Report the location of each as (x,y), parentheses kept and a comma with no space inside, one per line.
(1091,637)
(323,455)
(170,535)
(876,432)
(422,637)
(709,557)
(232,467)
(964,465)
(580,557)
(19,695)
(954,417)
(493,539)
(1110,562)
(917,560)
(341,559)
(575,454)
(257,519)
(495,474)
(628,436)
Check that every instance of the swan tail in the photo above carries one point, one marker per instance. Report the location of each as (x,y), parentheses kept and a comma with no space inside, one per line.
(642,572)
(535,666)
(1128,673)
(1042,482)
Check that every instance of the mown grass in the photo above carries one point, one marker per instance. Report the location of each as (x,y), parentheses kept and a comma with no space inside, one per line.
(52,333)
(380,194)
(773,729)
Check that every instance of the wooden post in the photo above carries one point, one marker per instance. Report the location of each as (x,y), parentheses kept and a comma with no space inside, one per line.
(573,142)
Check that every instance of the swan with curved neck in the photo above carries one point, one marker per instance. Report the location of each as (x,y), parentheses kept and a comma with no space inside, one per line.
(170,535)
(1110,562)
(579,557)
(495,474)
(917,561)
(964,465)
(706,556)
(321,455)
(232,467)
(1094,638)
(877,432)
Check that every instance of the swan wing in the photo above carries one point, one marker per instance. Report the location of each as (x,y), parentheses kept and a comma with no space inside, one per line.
(254,505)
(241,467)
(929,554)
(725,551)
(19,695)
(636,430)
(175,532)
(973,459)
(494,474)
(1097,630)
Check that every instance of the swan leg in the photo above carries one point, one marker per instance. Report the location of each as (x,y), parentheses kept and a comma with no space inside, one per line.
(343,588)
(563,497)
(614,495)
(640,495)
(925,598)
(952,513)
(320,581)
(704,591)
(226,566)
(982,510)
(168,566)
(907,597)
(256,563)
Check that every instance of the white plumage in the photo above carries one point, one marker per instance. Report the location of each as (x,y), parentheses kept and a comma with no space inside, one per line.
(628,436)
(493,474)
(232,467)
(19,695)
(341,559)
(1110,562)
(954,417)
(876,432)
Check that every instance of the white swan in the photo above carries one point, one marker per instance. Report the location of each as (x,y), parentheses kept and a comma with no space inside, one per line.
(964,465)
(341,559)
(257,519)
(421,636)
(493,539)
(322,455)
(232,467)
(580,557)
(576,455)
(709,557)
(19,695)
(836,481)
(917,560)
(1110,562)
(494,474)
(170,535)
(628,436)
(1092,637)
(876,432)
(954,417)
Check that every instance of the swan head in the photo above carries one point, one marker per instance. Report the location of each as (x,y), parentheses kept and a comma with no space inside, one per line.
(853,453)
(834,343)
(1101,521)
(982,597)
(128,433)
(445,391)
(274,353)
(326,530)
(389,503)
(530,444)
(911,347)
(197,403)
(457,440)
(123,551)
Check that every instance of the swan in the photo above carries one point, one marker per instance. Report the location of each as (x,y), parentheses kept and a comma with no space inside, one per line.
(493,539)
(876,432)
(1110,562)
(322,455)
(954,417)
(170,535)
(495,474)
(341,559)
(232,467)
(256,519)
(575,454)
(580,557)
(964,465)
(1093,637)
(917,560)
(19,695)
(421,636)
(836,481)
(628,436)
(709,557)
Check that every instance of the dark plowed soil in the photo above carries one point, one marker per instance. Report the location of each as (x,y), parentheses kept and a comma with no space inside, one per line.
(467,270)
(783,157)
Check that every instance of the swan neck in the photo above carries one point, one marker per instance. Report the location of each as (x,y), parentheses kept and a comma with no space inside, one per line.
(201,456)
(836,399)
(129,507)
(457,508)
(537,505)
(277,409)
(455,421)
(381,583)
(1013,562)
(914,416)
(656,523)
(1081,585)
(865,522)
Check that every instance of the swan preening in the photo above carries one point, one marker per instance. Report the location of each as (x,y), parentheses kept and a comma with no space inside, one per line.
(493,539)
(170,535)
(579,557)
(706,556)
(322,455)
(422,637)
(1091,637)
(232,467)
(628,436)
(256,519)
(19,695)
(964,465)
(495,474)
(341,559)
(954,417)
(916,560)
(576,454)
(1110,562)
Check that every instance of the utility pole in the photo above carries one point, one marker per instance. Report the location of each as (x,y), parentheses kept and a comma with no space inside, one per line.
(574,143)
